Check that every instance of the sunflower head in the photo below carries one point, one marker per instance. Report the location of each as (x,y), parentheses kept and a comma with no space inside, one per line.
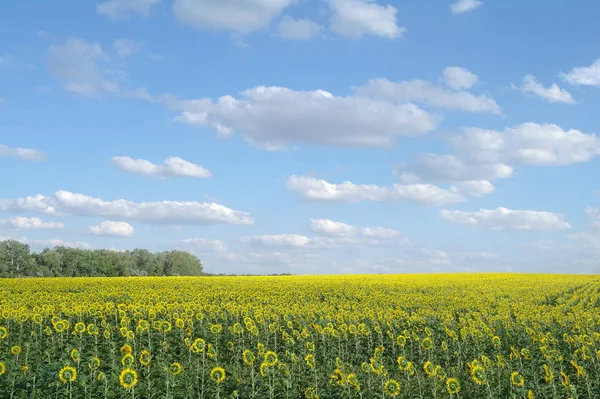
(517,379)
(217,374)
(391,388)
(453,386)
(128,378)
(67,374)
(175,368)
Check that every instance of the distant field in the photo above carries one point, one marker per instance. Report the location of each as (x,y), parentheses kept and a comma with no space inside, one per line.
(362,336)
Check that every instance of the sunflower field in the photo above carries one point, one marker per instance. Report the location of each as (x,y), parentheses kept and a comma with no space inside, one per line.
(359,336)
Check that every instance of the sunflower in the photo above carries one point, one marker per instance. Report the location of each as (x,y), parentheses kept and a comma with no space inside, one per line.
(128,360)
(217,374)
(75,355)
(198,346)
(2,368)
(517,379)
(400,340)
(496,341)
(310,393)
(310,360)
(145,357)
(3,333)
(403,364)
(578,369)
(101,377)
(128,378)
(270,358)
(453,386)
(67,374)
(310,346)
(16,350)
(126,349)
(564,379)
(427,344)
(530,394)
(337,378)
(548,374)
(248,357)
(478,375)
(175,368)
(94,363)
(179,323)
(79,327)
(230,345)
(216,328)
(429,369)
(392,388)
(351,379)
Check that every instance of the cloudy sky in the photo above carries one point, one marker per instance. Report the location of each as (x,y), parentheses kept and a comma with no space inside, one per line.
(306,136)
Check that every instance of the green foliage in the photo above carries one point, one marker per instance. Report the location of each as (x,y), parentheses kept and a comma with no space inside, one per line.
(17,260)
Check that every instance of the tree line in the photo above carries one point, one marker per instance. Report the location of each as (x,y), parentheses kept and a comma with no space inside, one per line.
(17,260)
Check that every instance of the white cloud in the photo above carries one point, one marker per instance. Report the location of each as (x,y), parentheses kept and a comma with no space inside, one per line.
(503,219)
(379,232)
(357,18)
(273,117)
(27,154)
(239,16)
(330,227)
(443,167)
(127,47)
(462,6)
(458,78)
(278,240)
(123,9)
(552,94)
(298,29)
(58,243)
(79,65)
(475,188)
(112,229)
(171,167)
(168,212)
(585,76)
(339,229)
(430,94)
(320,190)
(24,223)
(529,143)
(204,245)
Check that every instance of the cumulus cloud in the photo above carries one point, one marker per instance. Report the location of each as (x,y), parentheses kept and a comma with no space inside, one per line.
(320,190)
(165,212)
(171,167)
(446,167)
(333,228)
(273,117)
(584,76)
(552,94)
(458,78)
(279,240)
(242,17)
(298,29)
(112,229)
(357,18)
(24,223)
(204,245)
(527,144)
(462,6)
(123,9)
(80,66)
(421,91)
(507,219)
(28,154)
(339,229)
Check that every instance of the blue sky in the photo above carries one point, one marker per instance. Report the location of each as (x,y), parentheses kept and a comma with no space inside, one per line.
(330,136)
